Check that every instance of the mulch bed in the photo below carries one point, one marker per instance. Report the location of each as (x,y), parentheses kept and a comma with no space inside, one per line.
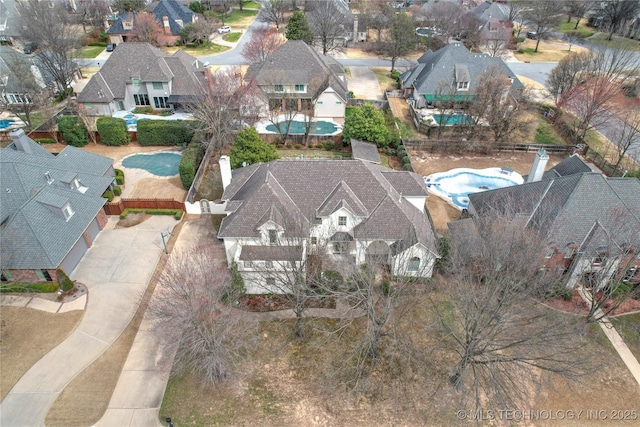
(577,306)
(266,303)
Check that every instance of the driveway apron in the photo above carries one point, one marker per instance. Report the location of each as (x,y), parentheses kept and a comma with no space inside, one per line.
(116,271)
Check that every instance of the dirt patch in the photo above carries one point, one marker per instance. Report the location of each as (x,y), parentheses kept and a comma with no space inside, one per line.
(155,188)
(400,109)
(44,331)
(115,153)
(425,163)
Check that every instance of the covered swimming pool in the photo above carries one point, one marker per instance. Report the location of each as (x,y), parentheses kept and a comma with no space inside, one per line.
(455,185)
(317,127)
(160,164)
(453,119)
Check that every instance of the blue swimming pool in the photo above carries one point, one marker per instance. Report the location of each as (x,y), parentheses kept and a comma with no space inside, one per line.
(160,164)
(5,123)
(455,185)
(452,119)
(318,127)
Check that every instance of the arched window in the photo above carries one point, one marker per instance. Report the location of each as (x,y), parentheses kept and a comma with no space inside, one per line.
(414,264)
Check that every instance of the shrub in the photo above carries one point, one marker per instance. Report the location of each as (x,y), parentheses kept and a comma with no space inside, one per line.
(385,288)
(113,131)
(621,289)
(177,213)
(236,287)
(249,148)
(120,180)
(62,95)
(101,44)
(320,146)
(119,172)
(164,132)
(143,110)
(298,146)
(329,146)
(407,167)
(35,287)
(73,131)
(46,141)
(117,190)
(108,195)
(64,282)
(104,37)
(190,161)
(406,160)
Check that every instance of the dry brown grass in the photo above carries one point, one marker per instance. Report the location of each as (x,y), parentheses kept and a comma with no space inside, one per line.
(25,336)
(548,50)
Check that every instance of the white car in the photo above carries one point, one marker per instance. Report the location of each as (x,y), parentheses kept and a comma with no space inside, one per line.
(224,29)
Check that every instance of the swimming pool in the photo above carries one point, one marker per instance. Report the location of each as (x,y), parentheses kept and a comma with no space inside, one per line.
(5,123)
(318,127)
(160,164)
(453,119)
(455,185)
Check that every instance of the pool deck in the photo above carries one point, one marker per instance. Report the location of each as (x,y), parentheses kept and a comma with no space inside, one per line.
(133,175)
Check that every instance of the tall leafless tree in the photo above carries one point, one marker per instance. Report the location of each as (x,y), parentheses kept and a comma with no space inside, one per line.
(263,43)
(29,92)
(626,137)
(274,12)
(209,339)
(578,9)
(400,40)
(543,16)
(617,11)
(55,34)
(330,27)
(490,317)
(496,43)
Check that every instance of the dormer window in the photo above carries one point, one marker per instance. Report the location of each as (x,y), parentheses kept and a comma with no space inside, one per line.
(67,211)
(75,184)
(342,220)
(273,237)
(278,88)
(463,85)
(299,88)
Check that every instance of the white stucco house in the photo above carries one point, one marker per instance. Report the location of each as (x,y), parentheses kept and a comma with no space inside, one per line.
(296,78)
(346,212)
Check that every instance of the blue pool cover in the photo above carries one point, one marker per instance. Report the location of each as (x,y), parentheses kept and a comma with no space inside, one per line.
(160,164)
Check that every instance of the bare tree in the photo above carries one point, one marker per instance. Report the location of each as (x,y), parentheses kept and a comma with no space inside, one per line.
(263,43)
(496,41)
(617,11)
(55,34)
(227,104)
(501,104)
(446,18)
(274,12)
(242,3)
(626,136)
(210,340)
(329,26)
(578,9)
(499,335)
(543,16)
(609,264)
(28,93)
(197,32)
(567,74)
(146,29)
(92,13)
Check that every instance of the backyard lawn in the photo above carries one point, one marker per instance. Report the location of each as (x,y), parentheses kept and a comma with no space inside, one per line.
(87,52)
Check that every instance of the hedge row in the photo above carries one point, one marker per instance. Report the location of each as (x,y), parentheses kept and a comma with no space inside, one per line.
(191,158)
(119,176)
(73,131)
(165,132)
(46,141)
(113,131)
(177,213)
(35,287)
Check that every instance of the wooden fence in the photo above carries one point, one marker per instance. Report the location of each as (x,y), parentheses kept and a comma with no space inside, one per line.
(116,208)
(460,145)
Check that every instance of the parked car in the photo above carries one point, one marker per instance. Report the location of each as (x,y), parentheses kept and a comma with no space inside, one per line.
(111,47)
(30,48)
(224,29)
(532,35)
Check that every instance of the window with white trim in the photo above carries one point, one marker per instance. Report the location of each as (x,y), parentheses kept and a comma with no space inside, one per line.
(342,220)
(67,211)
(278,88)
(161,102)
(299,88)
(463,85)
(157,85)
(273,237)
(141,99)
(414,264)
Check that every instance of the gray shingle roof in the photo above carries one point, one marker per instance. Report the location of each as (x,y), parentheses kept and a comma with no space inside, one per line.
(148,63)
(304,190)
(33,231)
(295,62)
(362,150)
(434,67)
(491,12)
(567,207)
(270,253)
(172,9)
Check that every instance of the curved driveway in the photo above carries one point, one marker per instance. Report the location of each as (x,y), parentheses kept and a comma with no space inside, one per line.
(116,271)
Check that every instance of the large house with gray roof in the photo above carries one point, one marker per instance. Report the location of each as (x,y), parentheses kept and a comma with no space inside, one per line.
(141,75)
(170,14)
(452,66)
(347,212)
(592,222)
(296,78)
(51,207)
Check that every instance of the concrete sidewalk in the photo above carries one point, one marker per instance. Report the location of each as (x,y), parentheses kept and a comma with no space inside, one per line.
(364,83)
(116,271)
(138,394)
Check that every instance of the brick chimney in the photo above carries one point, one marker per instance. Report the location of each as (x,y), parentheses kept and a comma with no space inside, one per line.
(225,171)
(165,23)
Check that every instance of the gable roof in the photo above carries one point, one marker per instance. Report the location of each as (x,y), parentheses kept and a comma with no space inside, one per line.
(35,188)
(172,9)
(295,62)
(304,191)
(40,73)
(491,12)
(149,64)
(453,60)
(568,207)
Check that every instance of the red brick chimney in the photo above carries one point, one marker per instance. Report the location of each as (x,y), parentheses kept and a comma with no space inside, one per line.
(165,23)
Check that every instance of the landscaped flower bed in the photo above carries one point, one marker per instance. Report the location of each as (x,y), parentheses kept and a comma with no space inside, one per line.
(265,303)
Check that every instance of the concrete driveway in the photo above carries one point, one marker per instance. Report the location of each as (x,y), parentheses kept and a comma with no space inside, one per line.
(364,83)
(116,271)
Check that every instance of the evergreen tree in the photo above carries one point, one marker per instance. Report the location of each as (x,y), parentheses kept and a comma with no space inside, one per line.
(298,28)
(249,148)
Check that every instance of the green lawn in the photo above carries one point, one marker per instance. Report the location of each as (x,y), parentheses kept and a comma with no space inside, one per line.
(253,5)
(384,76)
(87,52)
(204,50)
(628,326)
(546,134)
(618,42)
(232,37)
(235,16)
(583,31)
